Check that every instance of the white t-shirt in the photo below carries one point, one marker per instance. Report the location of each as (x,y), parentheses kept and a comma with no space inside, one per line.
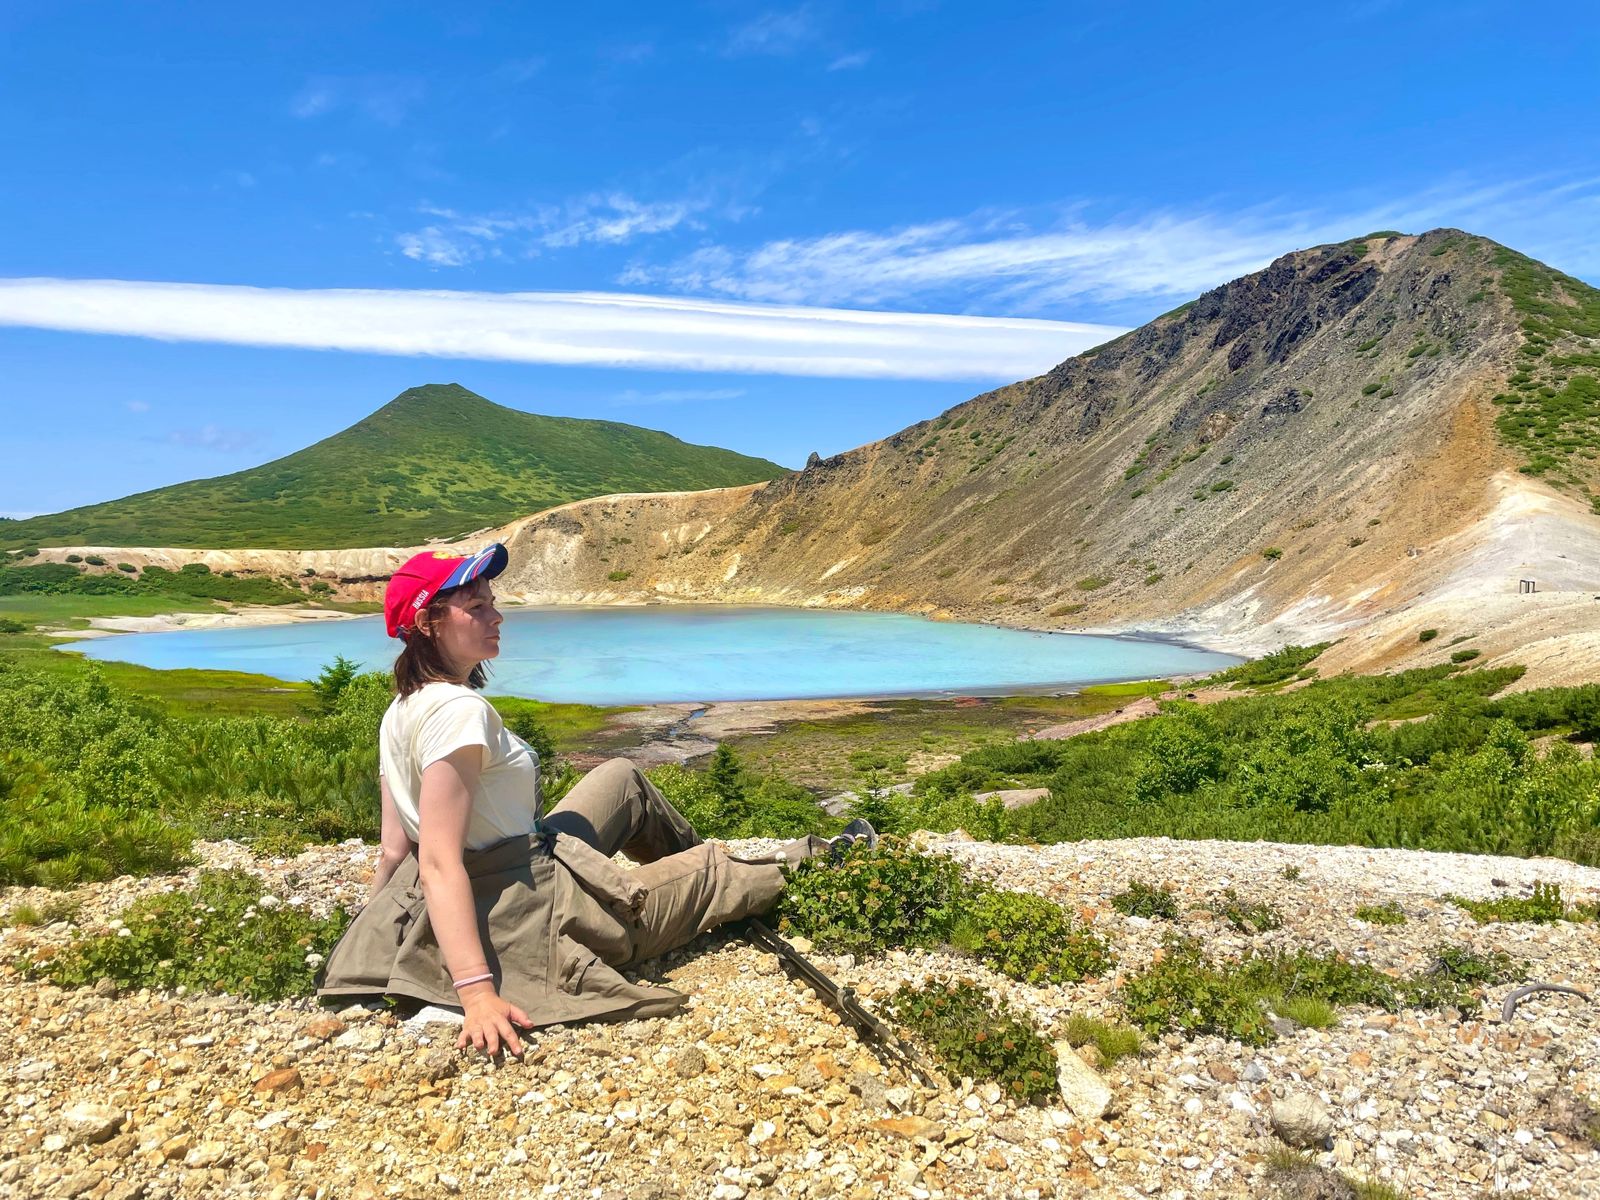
(438,719)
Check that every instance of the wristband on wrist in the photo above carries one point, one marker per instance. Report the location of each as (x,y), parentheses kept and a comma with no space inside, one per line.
(458,984)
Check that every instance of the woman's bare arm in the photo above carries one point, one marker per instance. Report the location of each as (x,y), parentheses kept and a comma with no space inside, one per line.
(445,810)
(393,842)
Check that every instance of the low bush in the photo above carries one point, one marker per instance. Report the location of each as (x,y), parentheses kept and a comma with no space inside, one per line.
(1544,906)
(1184,992)
(1457,976)
(1028,938)
(229,934)
(1427,635)
(1112,1041)
(1247,916)
(7,625)
(1142,899)
(1387,913)
(976,1037)
(726,801)
(1462,656)
(1270,668)
(873,899)
(1272,553)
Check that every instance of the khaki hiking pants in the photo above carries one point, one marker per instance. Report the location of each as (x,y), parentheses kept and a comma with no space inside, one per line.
(694,885)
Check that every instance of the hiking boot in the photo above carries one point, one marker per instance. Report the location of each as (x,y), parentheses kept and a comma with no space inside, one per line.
(860,830)
(857,833)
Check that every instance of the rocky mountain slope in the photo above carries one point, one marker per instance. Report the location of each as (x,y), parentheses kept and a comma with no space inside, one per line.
(1366,439)
(1303,451)
(436,461)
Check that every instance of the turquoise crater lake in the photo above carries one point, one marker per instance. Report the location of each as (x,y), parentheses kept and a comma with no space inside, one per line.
(660,654)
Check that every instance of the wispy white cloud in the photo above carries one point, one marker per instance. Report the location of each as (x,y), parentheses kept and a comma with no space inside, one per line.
(631,398)
(1002,260)
(851,62)
(386,99)
(137,406)
(570,328)
(775,32)
(455,238)
(216,438)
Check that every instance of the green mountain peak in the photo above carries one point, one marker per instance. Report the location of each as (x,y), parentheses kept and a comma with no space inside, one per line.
(437,461)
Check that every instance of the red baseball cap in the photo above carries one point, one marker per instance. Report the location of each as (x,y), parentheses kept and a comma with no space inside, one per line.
(413,587)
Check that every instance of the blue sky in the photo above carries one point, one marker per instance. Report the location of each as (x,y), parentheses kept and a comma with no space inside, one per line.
(789,227)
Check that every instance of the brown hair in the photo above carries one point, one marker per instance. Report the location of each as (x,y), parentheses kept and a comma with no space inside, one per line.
(422,662)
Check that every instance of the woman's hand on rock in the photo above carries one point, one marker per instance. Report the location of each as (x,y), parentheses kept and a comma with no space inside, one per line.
(491,1020)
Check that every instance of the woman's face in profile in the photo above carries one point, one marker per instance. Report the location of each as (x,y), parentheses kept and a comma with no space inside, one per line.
(468,629)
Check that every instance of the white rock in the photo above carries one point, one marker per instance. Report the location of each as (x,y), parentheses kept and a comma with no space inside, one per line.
(1085,1093)
(87,1124)
(762,1131)
(1302,1121)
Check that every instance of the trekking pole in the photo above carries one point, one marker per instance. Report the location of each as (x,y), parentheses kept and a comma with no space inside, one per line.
(889,1046)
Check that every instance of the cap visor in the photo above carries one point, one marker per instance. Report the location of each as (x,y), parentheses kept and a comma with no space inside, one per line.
(488,562)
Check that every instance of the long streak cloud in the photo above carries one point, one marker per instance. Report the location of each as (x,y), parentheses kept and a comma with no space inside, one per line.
(567,328)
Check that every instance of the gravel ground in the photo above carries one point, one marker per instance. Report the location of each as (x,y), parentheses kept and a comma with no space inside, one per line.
(756,1090)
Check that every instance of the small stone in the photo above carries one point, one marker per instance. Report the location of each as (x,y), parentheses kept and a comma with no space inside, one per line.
(323,1028)
(901,1097)
(690,1063)
(1222,1072)
(209,1154)
(1302,1121)
(89,1124)
(912,1128)
(274,1082)
(176,1148)
(762,1132)
(367,1036)
(1254,1073)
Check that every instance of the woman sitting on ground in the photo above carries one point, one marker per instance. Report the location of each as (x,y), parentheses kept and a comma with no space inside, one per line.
(483,900)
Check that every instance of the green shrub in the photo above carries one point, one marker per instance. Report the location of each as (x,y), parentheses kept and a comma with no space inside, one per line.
(1272,553)
(1092,583)
(1245,915)
(1370,389)
(1387,913)
(1543,907)
(619,576)
(1028,938)
(977,1037)
(128,568)
(873,899)
(74,558)
(1270,668)
(1222,485)
(726,801)
(7,625)
(1306,974)
(1113,1041)
(1290,873)
(1457,975)
(1142,899)
(94,560)
(1427,635)
(1186,993)
(1462,656)
(227,935)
